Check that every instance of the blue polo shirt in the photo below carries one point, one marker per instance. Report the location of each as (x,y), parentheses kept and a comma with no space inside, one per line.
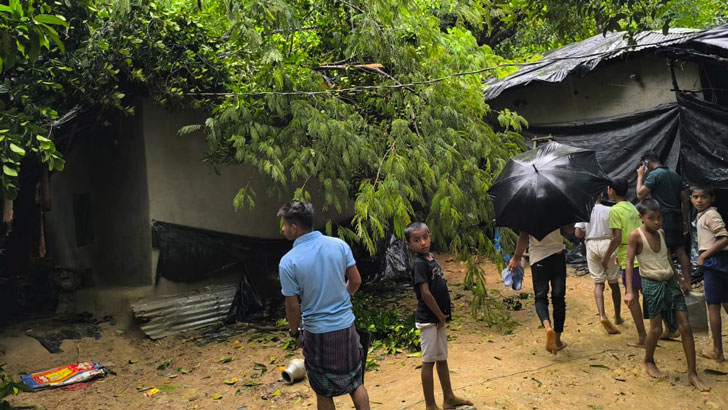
(315,270)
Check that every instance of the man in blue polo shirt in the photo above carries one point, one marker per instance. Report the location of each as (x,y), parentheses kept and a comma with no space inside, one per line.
(321,271)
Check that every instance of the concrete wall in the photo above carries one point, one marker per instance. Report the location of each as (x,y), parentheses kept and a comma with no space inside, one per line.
(137,170)
(108,166)
(186,191)
(618,86)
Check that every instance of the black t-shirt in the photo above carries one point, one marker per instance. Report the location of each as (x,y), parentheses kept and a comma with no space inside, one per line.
(430,272)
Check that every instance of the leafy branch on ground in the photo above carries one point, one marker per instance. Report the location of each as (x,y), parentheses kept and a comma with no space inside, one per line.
(8,386)
(390,329)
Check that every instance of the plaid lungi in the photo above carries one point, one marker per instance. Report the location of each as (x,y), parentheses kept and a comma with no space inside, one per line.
(333,361)
(662,298)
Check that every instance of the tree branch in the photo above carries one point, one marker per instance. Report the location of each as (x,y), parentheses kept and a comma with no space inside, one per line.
(386,154)
(414,121)
(370,66)
(351,6)
(288,30)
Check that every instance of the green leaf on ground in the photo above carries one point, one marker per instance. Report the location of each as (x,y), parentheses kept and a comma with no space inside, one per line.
(165,364)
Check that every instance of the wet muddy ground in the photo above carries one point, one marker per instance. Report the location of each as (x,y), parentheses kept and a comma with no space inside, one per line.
(492,367)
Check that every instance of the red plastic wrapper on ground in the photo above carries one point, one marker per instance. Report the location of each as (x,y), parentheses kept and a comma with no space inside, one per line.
(64,375)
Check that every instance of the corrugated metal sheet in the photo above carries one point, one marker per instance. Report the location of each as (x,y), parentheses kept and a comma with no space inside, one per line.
(170,315)
(582,57)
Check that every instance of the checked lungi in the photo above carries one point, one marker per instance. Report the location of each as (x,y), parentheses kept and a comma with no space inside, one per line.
(333,361)
(662,297)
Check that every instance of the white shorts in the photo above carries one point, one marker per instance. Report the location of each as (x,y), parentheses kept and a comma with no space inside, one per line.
(595,249)
(433,341)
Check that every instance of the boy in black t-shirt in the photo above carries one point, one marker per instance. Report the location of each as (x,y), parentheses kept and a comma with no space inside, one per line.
(433,310)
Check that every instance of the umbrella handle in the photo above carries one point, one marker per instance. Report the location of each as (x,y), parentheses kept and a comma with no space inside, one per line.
(534,167)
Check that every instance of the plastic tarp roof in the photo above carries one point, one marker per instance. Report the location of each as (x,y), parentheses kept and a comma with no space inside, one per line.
(717,37)
(582,57)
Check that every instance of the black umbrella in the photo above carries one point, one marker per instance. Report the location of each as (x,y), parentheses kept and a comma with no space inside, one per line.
(541,190)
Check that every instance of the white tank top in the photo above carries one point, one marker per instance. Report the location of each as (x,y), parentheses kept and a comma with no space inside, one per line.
(654,265)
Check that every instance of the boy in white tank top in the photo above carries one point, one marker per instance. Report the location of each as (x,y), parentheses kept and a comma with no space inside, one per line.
(660,289)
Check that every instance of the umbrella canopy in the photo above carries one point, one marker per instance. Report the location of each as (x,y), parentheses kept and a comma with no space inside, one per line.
(541,190)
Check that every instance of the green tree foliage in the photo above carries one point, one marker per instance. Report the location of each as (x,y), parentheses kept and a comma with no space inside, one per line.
(366,100)
(524,27)
(25,28)
(378,103)
(108,52)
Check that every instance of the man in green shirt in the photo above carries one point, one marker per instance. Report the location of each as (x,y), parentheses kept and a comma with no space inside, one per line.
(623,219)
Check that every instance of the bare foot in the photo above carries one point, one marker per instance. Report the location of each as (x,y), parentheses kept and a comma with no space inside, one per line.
(432,407)
(560,346)
(611,329)
(712,355)
(652,370)
(618,320)
(638,343)
(697,383)
(667,335)
(551,341)
(455,401)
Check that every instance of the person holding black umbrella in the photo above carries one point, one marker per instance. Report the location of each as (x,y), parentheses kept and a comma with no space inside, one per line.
(536,193)
(548,268)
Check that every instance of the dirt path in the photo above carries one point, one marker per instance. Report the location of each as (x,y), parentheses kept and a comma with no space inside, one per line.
(513,371)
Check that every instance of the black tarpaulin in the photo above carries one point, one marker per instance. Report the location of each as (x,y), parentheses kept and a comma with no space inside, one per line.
(690,136)
(716,37)
(189,254)
(704,138)
(619,142)
(246,301)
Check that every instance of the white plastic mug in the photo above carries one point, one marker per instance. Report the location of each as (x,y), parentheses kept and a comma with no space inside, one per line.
(295,371)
